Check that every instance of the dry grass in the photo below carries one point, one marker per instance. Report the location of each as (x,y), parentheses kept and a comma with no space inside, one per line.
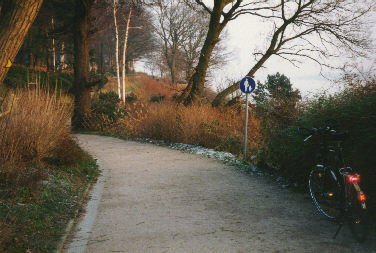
(35,125)
(150,87)
(201,125)
(144,87)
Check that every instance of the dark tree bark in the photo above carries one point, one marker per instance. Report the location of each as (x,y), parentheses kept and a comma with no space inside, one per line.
(172,66)
(218,21)
(16,18)
(101,62)
(82,88)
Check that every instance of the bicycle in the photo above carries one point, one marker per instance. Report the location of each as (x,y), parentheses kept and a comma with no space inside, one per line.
(334,188)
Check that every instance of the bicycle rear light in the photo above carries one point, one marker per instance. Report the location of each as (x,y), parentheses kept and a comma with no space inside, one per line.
(362,197)
(353,178)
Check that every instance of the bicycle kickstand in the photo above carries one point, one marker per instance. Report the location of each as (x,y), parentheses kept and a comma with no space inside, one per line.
(337,232)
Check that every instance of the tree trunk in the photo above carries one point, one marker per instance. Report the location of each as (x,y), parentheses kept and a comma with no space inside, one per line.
(117,50)
(48,65)
(31,60)
(173,67)
(196,83)
(125,49)
(130,67)
(81,62)
(16,18)
(101,62)
(53,46)
(62,56)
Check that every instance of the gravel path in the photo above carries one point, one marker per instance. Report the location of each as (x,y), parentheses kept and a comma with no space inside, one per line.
(154,199)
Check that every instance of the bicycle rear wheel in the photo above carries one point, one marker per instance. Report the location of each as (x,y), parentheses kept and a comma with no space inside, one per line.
(325,192)
(357,217)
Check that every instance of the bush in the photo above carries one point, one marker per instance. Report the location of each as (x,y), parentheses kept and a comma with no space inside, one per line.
(354,110)
(105,111)
(36,123)
(18,77)
(67,153)
(157,98)
(131,98)
(108,104)
(201,125)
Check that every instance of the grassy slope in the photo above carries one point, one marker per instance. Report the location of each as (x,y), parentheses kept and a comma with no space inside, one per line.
(35,218)
(43,172)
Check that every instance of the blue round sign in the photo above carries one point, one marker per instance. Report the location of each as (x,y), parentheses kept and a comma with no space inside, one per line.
(247,85)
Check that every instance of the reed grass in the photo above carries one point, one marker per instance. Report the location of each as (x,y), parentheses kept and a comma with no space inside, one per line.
(34,123)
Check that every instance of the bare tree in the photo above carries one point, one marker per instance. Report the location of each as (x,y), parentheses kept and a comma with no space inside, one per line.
(182,29)
(16,18)
(317,30)
(335,23)
(195,39)
(175,20)
(222,12)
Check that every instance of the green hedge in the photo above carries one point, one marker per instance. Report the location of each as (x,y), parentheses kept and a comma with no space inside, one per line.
(18,77)
(285,152)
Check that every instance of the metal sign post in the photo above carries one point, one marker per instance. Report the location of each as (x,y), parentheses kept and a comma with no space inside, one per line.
(246,85)
(245,128)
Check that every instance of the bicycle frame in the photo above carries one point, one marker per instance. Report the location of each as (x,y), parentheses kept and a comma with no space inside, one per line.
(339,171)
(349,199)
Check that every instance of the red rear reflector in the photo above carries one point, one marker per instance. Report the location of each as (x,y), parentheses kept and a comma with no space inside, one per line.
(353,178)
(362,197)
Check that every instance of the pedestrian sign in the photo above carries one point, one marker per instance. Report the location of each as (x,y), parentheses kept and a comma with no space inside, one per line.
(247,85)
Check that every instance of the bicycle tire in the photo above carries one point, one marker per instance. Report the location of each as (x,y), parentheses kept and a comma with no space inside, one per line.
(325,192)
(357,218)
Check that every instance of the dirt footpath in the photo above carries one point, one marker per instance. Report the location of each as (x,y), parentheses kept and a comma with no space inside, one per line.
(154,199)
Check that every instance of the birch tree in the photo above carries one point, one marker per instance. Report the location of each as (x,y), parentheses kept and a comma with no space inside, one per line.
(128,21)
(126,39)
(116,46)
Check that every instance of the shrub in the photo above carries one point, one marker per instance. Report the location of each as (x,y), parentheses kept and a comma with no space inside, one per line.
(105,111)
(201,125)
(354,110)
(18,76)
(67,153)
(107,104)
(36,123)
(157,98)
(131,98)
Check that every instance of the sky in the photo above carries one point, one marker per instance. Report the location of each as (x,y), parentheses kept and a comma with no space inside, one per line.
(247,33)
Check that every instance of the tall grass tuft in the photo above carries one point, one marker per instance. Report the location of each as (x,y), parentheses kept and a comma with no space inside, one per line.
(33,123)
